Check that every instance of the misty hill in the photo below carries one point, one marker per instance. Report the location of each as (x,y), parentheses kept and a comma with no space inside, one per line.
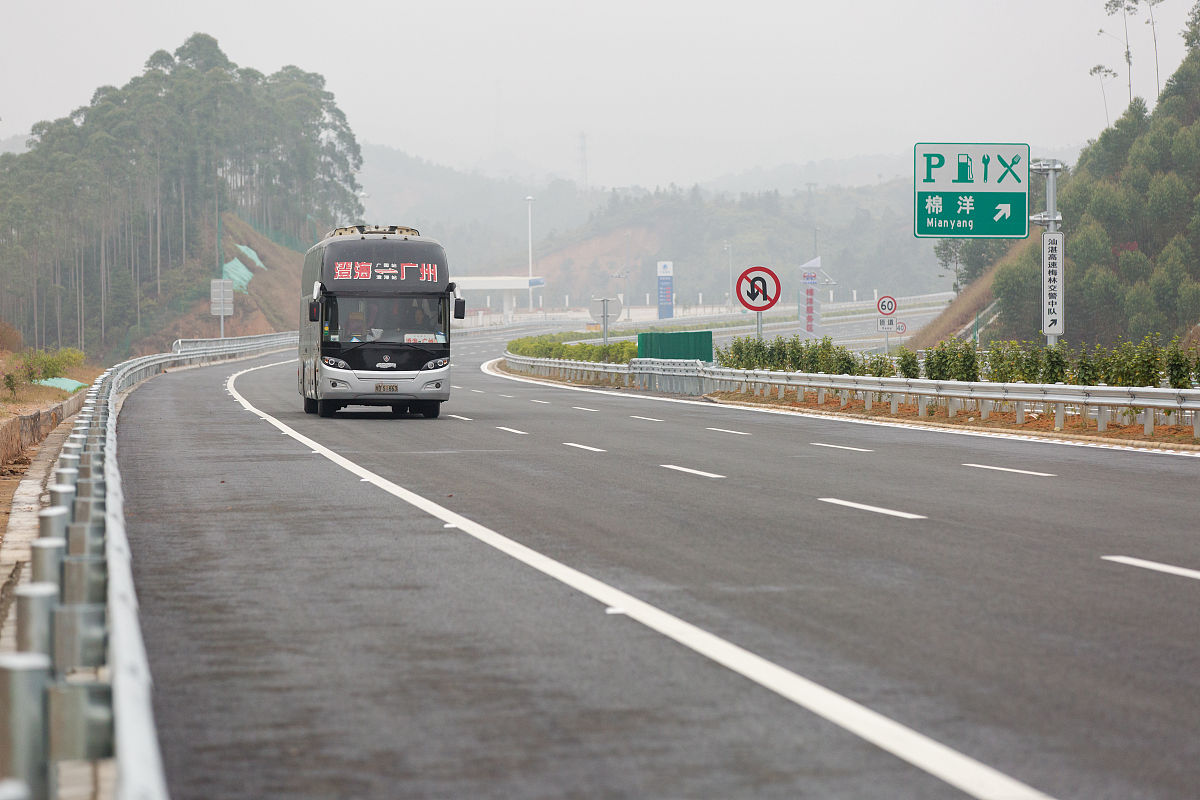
(480,219)
(14,144)
(581,239)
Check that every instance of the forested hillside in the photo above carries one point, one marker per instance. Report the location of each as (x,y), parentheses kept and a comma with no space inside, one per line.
(1131,213)
(583,237)
(863,235)
(108,221)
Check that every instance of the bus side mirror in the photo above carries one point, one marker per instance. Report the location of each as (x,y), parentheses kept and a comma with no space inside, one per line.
(314,311)
(460,308)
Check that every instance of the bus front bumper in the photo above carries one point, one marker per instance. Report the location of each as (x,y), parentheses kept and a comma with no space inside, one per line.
(383,387)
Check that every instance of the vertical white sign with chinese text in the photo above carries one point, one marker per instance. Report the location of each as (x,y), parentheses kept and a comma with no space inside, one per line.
(1052,283)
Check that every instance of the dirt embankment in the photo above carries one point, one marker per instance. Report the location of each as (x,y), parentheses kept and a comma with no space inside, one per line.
(974,299)
(270,305)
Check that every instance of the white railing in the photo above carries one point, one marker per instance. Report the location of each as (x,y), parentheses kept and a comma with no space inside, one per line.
(699,378)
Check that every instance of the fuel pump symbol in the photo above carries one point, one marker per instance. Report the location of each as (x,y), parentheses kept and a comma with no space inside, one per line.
(966,173)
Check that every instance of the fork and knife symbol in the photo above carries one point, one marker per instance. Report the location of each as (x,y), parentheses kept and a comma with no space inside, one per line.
(1009,166)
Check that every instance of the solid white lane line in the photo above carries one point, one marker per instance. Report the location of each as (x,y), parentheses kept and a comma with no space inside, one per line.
(963,772)
(511,430)
(581,408)
(648,419)
(1010,469)
(841,447)
(585,447)
(891,512)
(543,402)
(509,396)
(1155,565)
(455,386)
(691,471)
(458,416)
(478,391)
(724,430)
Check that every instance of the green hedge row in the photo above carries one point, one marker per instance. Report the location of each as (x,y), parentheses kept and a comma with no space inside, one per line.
(551,346)
(1125,364)
(801,355)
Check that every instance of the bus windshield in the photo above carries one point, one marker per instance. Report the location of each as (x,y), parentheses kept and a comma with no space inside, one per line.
(398,320)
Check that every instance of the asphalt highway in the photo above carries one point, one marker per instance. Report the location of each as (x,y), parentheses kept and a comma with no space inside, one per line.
(553,593)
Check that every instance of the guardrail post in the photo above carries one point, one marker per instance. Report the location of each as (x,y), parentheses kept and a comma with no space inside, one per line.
(1020,412)
(1102,416)
(46,555)
(52,523)
(80,721)
(894,402)
(23,679)
(63,496)
(35,606)
(1148,421)
(951,408)
(985,409)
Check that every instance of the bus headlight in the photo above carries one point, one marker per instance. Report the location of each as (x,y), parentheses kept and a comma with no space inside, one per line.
(337,363)
(437,363)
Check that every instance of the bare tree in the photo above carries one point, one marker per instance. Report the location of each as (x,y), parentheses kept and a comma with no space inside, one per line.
(1126,7)
(1150,4)
(1103,73)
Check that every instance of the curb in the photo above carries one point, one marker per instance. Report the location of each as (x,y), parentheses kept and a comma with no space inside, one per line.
(1140,444)
(23,526)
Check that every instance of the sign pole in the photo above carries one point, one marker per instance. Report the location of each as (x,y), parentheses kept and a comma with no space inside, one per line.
(1052,255)
(758,328)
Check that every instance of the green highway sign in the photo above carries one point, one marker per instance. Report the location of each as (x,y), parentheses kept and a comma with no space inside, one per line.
(965,191)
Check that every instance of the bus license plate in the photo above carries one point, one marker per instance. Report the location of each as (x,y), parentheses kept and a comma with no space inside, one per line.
(387,387)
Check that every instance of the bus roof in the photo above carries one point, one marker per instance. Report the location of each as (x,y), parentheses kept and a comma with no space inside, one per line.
(362,230)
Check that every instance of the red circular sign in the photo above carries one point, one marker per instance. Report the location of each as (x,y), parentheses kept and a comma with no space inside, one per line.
(886,305)
(758,288)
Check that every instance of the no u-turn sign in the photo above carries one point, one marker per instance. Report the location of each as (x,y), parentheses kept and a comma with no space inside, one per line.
(758,288)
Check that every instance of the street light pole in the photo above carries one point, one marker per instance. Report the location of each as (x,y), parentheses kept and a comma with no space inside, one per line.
(529,200)
(729,294)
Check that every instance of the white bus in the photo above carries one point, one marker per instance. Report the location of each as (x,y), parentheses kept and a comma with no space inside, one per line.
(375,321)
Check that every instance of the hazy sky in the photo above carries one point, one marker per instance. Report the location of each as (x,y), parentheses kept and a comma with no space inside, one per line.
(665,90)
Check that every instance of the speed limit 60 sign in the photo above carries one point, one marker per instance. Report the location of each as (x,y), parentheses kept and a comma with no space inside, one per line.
(886,305)
(758,288)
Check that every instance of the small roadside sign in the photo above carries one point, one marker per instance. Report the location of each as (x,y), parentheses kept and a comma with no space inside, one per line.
(889,324)
(221,297)
(886,305)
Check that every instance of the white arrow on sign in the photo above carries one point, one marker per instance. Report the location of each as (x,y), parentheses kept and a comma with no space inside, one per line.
(1003,211)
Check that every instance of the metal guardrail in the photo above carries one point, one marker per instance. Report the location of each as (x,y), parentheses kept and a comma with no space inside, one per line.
(699,378)
(233,344)
(79,685)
